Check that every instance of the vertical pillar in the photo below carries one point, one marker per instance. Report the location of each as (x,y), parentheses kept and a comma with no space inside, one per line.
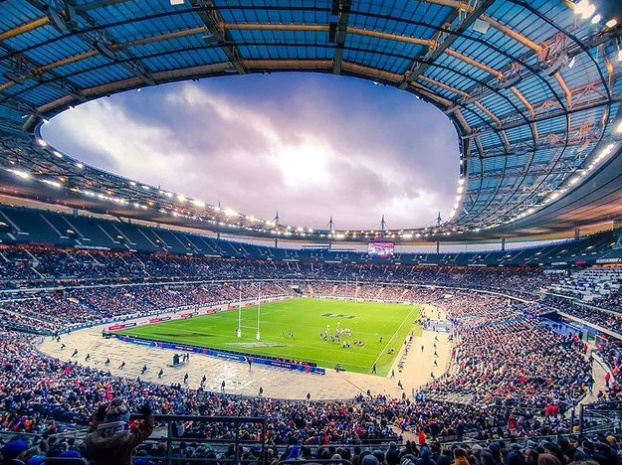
(438,247)
(577,233)
(503,244)
(169,443)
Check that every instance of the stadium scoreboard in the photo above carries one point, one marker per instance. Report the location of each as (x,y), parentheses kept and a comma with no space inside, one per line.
(380,249)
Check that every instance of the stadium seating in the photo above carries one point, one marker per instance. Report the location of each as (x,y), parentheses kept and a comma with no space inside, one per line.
(29,226)
(72,270)
(491,325)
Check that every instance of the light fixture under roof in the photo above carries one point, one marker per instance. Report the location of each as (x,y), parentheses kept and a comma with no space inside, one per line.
(481,26)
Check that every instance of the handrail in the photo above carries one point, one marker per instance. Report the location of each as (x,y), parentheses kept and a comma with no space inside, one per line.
(171,436)
(202,419)
(64,461)
(314,461)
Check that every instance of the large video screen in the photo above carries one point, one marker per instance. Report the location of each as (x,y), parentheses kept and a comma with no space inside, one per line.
(380,249)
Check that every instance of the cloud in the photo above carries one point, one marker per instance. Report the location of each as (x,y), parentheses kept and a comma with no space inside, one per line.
(308,146)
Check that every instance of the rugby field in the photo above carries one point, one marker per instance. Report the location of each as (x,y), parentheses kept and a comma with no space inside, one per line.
(306,318)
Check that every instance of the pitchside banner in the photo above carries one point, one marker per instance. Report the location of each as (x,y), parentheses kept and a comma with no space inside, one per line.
(232,356)
(150,321)
(205,311)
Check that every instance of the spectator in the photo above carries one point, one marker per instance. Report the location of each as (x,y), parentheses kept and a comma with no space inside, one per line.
(111,441)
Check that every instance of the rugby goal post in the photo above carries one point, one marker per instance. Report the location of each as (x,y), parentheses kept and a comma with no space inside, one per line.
(240,326)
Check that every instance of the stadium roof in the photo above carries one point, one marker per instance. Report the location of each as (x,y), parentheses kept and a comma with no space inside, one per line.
(533,88)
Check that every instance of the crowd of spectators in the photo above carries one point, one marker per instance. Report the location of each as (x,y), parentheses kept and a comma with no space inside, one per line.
(602,449)
(611,301)
(510,376)
(504,394)
(50,311)
(610,352)
(32,266)
(609,320)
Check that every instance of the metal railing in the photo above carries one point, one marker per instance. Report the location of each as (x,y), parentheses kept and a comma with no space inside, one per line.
(313,461)
(64,461)
(167,432)
(600,418)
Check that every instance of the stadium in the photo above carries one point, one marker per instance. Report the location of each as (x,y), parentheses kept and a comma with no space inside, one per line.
(140,324)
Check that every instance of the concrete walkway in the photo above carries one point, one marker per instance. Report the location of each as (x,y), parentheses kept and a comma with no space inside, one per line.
(598,372)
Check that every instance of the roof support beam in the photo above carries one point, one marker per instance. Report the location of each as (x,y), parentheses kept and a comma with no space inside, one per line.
(455,4)
(524,147)
(535,118)
(343,8)
(519,173)
(514,71)
(452,36)
(451,17)
(27,68)
(215,24)
(65,19)
(24,28)
(99,4)
(513,34)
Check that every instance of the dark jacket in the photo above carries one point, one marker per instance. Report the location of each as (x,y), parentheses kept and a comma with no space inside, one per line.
(116,449)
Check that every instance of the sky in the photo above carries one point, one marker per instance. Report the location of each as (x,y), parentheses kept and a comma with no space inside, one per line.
(308,146)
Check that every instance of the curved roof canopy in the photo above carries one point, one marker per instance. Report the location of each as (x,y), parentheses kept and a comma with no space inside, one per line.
(532,86)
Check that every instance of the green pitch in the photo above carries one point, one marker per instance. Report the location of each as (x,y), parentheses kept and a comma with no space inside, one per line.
(306,318)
